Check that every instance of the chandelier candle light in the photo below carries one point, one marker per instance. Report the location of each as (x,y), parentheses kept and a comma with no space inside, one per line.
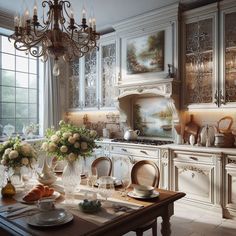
(58,35)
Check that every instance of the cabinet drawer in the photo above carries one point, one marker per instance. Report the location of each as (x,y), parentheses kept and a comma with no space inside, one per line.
(137,151)
(193,157)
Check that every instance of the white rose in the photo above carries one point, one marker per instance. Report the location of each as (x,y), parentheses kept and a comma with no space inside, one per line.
(13,154)
(71,140)
(58,133)
(77,145)
(76,136)
(7,151)
(71,157)
(61,122)
(84,145)
(26,149)
(54,138)
(25,161)
(3,162)
(63,149)
(45,146)
(66,135)
(52,147)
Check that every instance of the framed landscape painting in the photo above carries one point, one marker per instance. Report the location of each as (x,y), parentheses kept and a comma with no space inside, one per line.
(146,53)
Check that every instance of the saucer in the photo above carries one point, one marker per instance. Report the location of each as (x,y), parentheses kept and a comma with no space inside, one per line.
(134,195)
(50,218)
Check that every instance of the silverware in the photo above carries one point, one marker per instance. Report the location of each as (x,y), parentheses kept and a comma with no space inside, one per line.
(28,213)
(12,209)
(21,211)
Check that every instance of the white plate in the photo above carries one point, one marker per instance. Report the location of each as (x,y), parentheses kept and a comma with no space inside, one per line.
(54,218)
(134,195)
(54,196)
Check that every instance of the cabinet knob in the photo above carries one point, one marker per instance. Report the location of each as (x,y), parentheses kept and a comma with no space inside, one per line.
(124,150)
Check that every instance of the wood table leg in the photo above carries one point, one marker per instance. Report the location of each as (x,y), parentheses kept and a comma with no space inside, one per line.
(165,225)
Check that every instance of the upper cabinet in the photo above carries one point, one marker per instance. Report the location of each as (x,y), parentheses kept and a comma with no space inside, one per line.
(93,77)
(199,68)
(209,59)
(228,52)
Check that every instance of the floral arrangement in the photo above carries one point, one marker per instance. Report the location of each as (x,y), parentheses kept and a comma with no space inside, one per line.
(69,142)
(16,153)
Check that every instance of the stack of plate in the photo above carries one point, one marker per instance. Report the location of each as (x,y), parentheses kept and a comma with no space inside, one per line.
(50,218)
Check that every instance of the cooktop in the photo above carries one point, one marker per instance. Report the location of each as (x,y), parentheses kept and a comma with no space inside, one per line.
(143,141)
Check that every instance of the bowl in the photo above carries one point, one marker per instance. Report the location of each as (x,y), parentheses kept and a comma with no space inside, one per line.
(90,206)
(143,190)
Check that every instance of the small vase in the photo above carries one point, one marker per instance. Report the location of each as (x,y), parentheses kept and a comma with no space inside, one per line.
(15,177)
(192,139)
(71,177)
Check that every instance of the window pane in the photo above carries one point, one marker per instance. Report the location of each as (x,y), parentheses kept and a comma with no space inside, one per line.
(22,53)
(22,64)
(32,81)
(32,96)
(20,124)
(7,46)
(8,110)
(8,61)
(33,66)
(22,111)
(8,78)
(22,95)
(8,94)
(22,80)
(33,111)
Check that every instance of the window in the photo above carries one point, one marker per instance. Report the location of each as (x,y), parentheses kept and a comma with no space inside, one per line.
(19,87)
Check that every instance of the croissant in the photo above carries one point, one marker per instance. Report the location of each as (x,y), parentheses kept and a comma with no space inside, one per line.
(38,192)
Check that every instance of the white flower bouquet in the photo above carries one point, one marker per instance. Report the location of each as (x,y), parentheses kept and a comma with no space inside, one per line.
(69,142)
(16,153)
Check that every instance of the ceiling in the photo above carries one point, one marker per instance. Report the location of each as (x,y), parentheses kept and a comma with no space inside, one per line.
(107,12)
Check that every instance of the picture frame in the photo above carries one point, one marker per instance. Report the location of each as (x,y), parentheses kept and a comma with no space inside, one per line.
(145,54)
(137,37)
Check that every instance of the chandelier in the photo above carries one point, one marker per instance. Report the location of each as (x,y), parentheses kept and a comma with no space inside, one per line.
(57,36)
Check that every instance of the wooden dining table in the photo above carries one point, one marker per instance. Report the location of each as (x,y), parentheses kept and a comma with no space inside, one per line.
(162,206)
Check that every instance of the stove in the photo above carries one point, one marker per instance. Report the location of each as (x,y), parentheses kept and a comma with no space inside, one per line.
(143,141)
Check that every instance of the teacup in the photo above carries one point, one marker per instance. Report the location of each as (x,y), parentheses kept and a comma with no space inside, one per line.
(45,204)
(142,190)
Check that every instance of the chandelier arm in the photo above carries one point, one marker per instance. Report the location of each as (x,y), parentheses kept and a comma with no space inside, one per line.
(44,4)
(66,5)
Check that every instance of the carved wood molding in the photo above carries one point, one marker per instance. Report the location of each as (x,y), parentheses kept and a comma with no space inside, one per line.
(193,168)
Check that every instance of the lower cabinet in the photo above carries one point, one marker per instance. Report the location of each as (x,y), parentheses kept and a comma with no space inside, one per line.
(230,186)
(197,174)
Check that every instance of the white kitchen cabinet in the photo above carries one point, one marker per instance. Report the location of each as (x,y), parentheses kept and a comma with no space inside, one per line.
(198,175)
(229,205)
(209,44)
(200,74)
(93,77)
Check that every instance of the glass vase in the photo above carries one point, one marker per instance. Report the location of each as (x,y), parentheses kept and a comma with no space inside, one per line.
(15,177)
(71,178)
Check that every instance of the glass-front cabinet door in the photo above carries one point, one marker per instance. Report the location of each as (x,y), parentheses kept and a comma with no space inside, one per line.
(229,62)
(200,80)
(108,74)
(90,80)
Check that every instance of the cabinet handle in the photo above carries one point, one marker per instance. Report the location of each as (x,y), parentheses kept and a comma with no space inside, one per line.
(144,152)
(222,98)
(194,158)
(216,98)
(124,150)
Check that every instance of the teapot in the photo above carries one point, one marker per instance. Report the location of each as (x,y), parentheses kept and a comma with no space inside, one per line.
(131,134)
